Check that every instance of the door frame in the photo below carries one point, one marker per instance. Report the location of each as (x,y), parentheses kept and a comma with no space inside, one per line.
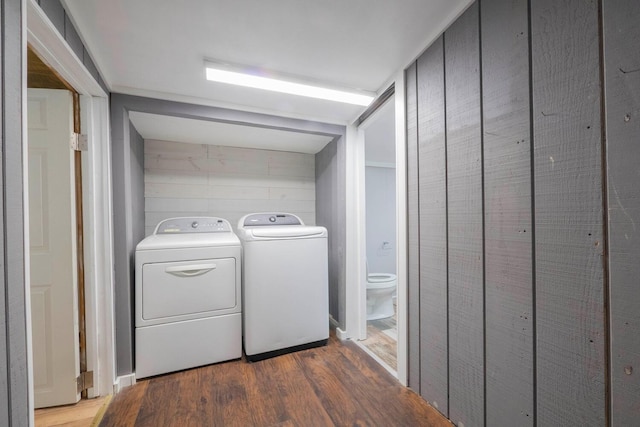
(356,231)
(96,182)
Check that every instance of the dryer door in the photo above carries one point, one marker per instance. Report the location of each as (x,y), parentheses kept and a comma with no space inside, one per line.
(175,289)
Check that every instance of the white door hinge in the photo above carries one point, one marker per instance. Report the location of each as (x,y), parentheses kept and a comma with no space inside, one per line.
(79,142)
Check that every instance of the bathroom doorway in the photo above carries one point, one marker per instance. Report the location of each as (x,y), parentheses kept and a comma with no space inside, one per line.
(380,235)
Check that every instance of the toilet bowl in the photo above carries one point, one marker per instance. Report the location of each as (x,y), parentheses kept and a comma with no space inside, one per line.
(380,290)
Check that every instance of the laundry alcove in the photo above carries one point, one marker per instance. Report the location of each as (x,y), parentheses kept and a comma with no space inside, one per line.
(161,126)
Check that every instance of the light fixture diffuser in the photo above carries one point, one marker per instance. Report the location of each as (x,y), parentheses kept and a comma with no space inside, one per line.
(223,73)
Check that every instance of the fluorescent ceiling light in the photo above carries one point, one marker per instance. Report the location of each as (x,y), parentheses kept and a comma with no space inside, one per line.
(223,74)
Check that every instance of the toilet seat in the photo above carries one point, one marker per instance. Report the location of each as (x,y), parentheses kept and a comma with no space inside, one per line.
(380,280)
(380,277)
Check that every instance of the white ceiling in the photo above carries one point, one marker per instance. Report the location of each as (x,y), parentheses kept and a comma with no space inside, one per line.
(166,128)
(157,48)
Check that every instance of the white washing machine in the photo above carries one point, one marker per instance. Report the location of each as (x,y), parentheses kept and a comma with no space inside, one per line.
(187,296)
(285,284)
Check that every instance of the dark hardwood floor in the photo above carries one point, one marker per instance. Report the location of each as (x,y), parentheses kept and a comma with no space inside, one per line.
(335,385)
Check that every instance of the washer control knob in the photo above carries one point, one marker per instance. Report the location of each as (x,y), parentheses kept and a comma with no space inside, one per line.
(272,218)
(194,224)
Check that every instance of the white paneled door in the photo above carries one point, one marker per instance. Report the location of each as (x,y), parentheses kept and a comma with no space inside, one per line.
(52,236)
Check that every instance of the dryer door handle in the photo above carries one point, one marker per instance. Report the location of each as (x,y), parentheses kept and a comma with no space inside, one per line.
(190,270)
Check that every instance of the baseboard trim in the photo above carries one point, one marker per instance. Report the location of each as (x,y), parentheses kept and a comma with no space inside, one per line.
(123,382)
(340,333)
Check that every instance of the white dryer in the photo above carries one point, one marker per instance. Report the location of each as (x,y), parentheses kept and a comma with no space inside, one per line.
(285,284)
(187,296)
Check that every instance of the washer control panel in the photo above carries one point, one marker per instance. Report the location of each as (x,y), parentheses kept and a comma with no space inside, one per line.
(272,219)
(193,225)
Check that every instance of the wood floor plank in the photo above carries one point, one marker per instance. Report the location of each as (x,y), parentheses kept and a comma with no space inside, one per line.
(80,414)
(335,385)
(289,381)
(227,397)
(375,389)
(128,403)
(336,396)
(270,411)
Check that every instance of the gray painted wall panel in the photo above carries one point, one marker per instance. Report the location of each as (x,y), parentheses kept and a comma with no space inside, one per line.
(569,243)
(137,180)
(93,70)
(72,38)
(5,364)
(55,12)
(465,222)
(330,213)
(622,62)
(413,226)
(434,355)
(14,393)
(508,211)
(58,16)
(326,202)
(337,226)
(122,245)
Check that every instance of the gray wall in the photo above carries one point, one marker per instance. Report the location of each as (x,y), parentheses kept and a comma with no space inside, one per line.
(508,287)
(622,86)
(128,191)
(327,215)
(14,396)
(380,189)
(60,20)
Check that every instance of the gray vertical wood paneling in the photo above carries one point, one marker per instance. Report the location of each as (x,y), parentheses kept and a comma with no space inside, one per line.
(61,21)
(465,222)
(622,72)
(5,368)
(561,343)
(338,226)
(434,383)
(570,349)
(508,204)
(326,200)
(14,393)
(413,253)
(123,248)
(55,12)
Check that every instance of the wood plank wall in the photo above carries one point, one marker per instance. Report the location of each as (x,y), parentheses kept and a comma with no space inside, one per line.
(508,213)
(509,280)
(622,84)
(570,326)
(199,180)
(433,231)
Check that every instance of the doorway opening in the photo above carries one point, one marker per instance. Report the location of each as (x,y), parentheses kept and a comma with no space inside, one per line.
(53,68)
(379,281)
(56,248)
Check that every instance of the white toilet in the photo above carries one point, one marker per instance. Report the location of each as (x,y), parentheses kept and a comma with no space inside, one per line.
(380,290)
